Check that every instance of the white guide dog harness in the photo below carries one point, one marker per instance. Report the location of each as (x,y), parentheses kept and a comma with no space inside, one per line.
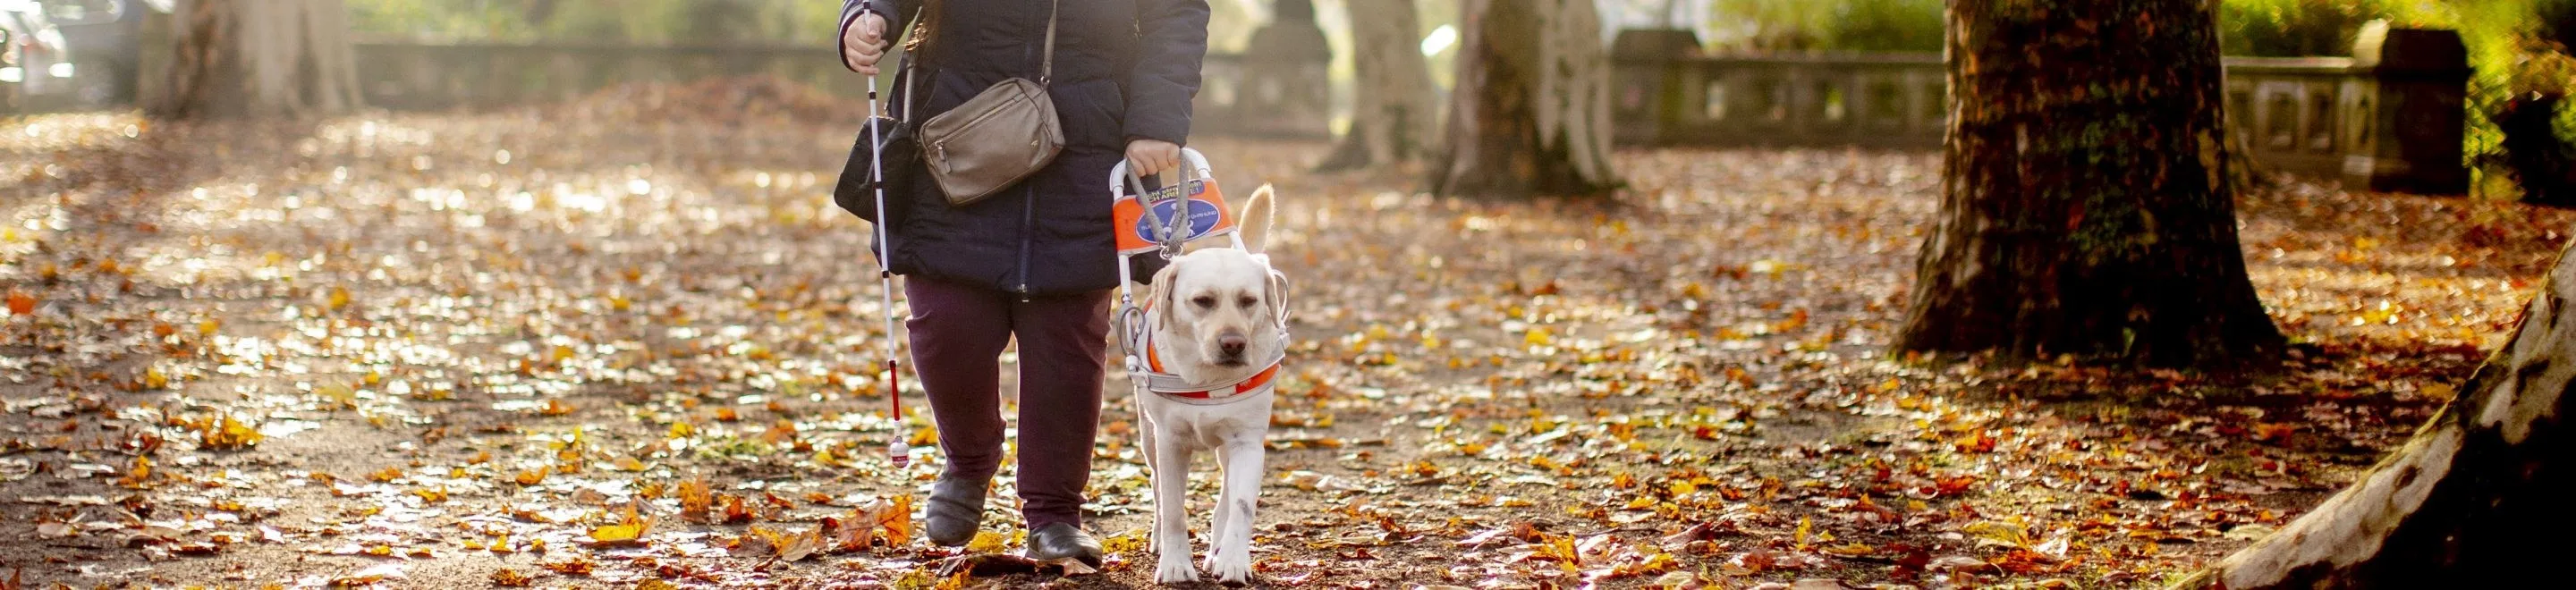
(1150,375)
(1141,228)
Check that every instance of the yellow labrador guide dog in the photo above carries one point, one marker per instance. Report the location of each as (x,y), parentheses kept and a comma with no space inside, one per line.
(1203,349)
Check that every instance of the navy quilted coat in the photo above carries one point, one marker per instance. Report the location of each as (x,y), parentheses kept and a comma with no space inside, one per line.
(1124,70)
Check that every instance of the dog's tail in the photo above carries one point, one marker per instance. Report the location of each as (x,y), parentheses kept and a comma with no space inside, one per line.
(1255,218)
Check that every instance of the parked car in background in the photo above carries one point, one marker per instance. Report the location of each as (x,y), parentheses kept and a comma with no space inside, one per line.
(106,35)
(45,69)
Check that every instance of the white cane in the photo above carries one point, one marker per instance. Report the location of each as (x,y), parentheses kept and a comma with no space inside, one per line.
(896,450)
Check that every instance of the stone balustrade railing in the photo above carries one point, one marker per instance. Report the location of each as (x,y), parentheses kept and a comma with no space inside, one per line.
(2390,118)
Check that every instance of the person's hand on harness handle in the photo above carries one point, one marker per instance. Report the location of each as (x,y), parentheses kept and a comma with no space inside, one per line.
(1153,156)
(863,42)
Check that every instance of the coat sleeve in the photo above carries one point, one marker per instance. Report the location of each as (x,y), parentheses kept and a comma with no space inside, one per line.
(850,10)
(1166,74)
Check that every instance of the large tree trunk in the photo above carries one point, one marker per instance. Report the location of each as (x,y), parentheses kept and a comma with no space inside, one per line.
(1531,113)
(2478,499)
(1393,118)
(259,58)
(2084,207)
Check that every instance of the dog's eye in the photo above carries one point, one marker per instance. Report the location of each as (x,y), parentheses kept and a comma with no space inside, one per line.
(1246,302)
(1204,301)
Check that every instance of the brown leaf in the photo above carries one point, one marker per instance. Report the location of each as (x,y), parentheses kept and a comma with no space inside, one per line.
(510,578)
(799,546)
(578,565)
(987,565)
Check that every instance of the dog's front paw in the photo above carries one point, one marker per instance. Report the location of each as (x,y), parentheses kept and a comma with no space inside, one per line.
(1175,571)
(1230,565)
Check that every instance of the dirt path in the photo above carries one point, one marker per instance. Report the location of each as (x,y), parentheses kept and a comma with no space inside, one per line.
(422,350)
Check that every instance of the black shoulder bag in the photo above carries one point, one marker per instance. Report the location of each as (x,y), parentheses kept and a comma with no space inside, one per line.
(901,149)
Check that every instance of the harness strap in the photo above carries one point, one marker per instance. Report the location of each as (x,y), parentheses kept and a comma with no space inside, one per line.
(1149,374)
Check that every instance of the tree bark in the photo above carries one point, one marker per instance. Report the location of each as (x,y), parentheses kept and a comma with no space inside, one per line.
(259,58)
(1531,113)
(2085,207)
(1394,115)
(2477,499)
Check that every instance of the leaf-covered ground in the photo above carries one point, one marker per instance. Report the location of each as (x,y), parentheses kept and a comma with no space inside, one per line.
(627,343)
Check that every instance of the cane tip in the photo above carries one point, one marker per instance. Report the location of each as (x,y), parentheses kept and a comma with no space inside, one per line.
(899,453)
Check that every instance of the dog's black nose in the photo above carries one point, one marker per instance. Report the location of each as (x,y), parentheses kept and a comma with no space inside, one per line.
(1232,344)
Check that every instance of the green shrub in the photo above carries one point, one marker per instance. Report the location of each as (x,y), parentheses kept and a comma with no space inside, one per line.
(1851,25)
(2293,28)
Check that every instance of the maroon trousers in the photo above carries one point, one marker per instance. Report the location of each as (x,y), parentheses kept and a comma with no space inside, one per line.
(958,332)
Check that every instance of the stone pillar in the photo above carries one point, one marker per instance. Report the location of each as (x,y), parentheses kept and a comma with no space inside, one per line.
(2410,132)
(1285,91)
(1647,91)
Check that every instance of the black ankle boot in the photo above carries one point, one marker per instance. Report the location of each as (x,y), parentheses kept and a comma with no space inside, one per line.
(956,510)
(1061,540)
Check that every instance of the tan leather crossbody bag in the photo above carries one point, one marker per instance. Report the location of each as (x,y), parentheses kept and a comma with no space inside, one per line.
(997,138)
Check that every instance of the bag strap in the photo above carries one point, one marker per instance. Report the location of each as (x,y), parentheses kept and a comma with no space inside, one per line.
(922,26)
(915,53)
(1046,66)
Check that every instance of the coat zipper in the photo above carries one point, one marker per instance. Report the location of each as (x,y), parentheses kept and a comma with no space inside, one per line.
(1028,235)
(1028,211)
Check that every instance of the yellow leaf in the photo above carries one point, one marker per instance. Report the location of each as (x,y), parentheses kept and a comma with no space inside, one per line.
(337,393)
(956,582)
(897,521)
(628,530)
(1804,524)
(1123,542)
(629,464)
(339,298)
(1850,550)
(226,433)
(989,542)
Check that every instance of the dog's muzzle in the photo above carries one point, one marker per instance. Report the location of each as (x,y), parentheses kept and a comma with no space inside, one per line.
(1230,348)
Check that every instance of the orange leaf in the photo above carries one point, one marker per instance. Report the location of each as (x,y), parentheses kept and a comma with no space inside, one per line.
(20,303)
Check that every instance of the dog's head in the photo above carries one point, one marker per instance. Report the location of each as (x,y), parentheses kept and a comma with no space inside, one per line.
(1223,308)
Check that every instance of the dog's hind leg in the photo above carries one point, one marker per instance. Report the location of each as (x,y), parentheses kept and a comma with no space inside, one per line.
(1169,461)
(1230,553)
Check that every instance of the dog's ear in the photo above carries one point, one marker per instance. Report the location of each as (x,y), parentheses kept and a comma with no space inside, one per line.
(1254,219)
(1278,295)
(1161,296)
